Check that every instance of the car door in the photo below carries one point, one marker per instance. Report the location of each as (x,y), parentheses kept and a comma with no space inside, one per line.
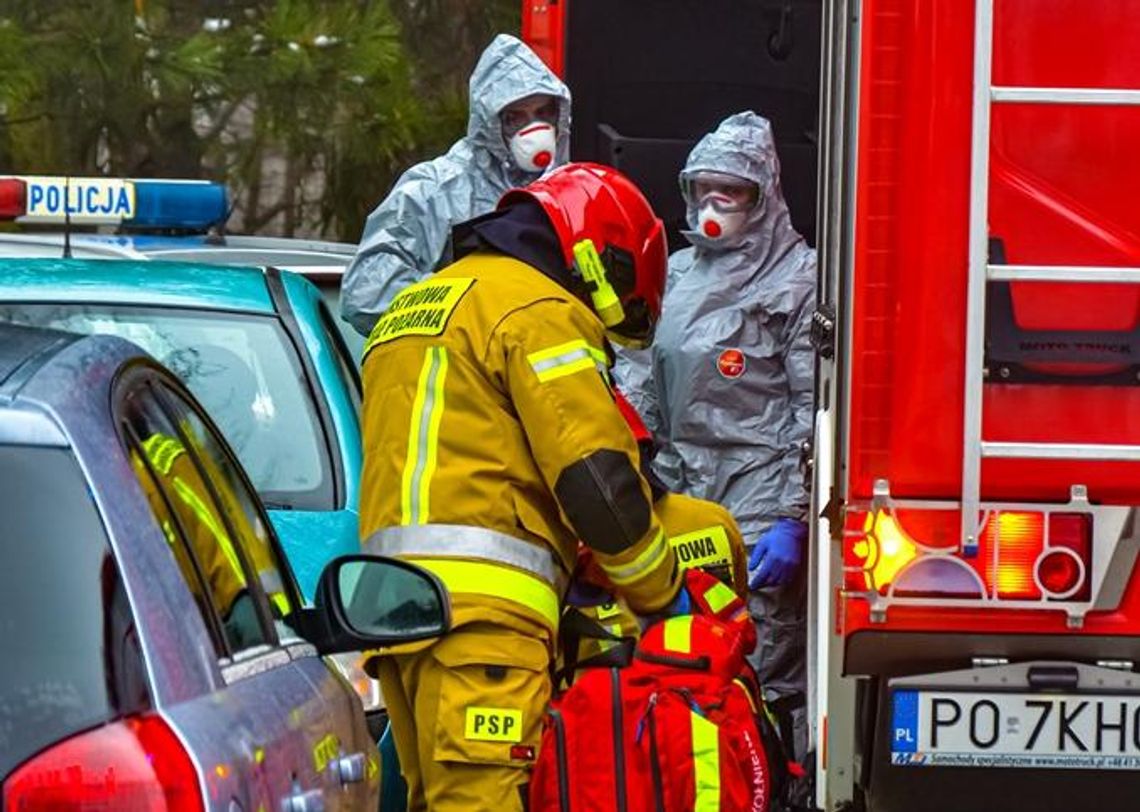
(342,760)
(253,736)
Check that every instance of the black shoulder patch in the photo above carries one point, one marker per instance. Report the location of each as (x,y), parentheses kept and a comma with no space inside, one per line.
(601,495)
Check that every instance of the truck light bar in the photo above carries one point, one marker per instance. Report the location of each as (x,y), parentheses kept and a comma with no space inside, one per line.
(190,205)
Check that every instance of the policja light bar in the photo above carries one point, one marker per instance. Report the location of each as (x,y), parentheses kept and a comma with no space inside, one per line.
(189,205)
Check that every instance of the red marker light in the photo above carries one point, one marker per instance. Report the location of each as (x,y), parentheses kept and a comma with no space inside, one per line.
(13,198)
(1060,572)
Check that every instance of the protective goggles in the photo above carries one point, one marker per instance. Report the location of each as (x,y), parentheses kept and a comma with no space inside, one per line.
(515,117)
(724,192)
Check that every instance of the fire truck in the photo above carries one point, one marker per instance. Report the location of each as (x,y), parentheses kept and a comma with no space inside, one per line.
(975,610)
(977,445)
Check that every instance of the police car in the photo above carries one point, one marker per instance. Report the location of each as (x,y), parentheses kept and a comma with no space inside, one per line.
(157,219)
(155,643)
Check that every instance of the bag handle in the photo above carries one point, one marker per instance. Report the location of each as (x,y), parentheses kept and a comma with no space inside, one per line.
(576,627)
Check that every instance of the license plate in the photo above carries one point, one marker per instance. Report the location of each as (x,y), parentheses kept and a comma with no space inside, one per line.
(1044,731)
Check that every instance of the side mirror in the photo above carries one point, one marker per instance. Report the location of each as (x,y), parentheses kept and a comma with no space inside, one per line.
(369,601)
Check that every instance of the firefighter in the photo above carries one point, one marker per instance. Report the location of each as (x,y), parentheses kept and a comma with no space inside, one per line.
(492,444)
(518,127)
(727,385)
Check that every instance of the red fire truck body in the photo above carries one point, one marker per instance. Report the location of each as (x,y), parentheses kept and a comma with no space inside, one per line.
(978,437)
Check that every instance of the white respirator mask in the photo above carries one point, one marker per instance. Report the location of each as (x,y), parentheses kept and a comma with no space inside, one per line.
(533,146)
(716,224)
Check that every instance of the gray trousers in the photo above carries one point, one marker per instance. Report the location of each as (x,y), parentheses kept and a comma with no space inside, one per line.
(780,658)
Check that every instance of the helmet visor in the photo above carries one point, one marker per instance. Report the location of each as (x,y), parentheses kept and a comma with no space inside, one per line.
(724,192)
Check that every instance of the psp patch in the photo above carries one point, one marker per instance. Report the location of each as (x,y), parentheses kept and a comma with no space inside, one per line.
(493,725)
(730,364)
(421,309)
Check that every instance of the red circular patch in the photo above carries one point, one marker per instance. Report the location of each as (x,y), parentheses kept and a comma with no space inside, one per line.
(543,159)
(730,363)
(712,229)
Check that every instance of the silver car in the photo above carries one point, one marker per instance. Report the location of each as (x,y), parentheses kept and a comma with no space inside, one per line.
(154,645)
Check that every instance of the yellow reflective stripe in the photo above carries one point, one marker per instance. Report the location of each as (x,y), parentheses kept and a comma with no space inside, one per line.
(412,456)
(743,686)
(206,516)
(423,438)
(706,764)
(162,452)
(432,445)
(477,578)
(566,359)
(282,603)
(650,557)
(719,596)
(677,634)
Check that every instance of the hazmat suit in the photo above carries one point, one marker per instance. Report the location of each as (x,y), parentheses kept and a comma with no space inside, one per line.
(727,384)
(407,236)
(492,444)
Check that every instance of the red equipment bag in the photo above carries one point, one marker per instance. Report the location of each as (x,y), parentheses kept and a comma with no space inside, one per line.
(675,730)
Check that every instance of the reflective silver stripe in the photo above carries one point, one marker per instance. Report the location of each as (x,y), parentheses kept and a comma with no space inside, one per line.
(649,558)
(566,358)
(465,541)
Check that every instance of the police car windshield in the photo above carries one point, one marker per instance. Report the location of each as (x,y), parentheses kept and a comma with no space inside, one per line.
(242,369)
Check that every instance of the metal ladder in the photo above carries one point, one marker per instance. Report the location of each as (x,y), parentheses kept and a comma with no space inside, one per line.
(981,271)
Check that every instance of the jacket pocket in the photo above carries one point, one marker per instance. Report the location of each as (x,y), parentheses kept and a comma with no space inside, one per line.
(493,691)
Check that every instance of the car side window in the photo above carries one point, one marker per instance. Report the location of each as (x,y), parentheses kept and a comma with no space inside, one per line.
(185,507)
(242,511)
(346,370)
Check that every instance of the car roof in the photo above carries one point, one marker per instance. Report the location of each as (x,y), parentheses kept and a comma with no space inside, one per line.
(38,369)
(311,257)
(141,282)
(25,350)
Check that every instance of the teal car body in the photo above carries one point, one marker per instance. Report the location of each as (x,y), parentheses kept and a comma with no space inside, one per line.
(147,298)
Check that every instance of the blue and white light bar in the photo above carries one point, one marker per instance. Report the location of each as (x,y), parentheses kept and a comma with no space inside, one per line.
(190,205)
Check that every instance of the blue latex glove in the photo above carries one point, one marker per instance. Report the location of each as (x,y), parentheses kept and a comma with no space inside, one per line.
(777,556)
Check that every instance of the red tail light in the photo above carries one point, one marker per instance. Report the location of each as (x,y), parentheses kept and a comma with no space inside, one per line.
(1064,571)
(13,195)
(136,765)
(1017,559)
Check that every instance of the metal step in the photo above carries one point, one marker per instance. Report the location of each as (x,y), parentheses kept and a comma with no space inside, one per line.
(1062,273)
(1066,95)
(1061,451)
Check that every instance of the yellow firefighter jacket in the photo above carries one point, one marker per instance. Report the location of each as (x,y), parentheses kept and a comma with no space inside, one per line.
(492,444)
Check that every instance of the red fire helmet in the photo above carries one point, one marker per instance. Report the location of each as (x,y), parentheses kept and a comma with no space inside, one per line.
(612,238)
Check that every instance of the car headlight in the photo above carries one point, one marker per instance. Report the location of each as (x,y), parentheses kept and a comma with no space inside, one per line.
(350,665)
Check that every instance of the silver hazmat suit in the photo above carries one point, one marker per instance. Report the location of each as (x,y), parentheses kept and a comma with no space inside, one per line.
(407,236)
(727,384)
